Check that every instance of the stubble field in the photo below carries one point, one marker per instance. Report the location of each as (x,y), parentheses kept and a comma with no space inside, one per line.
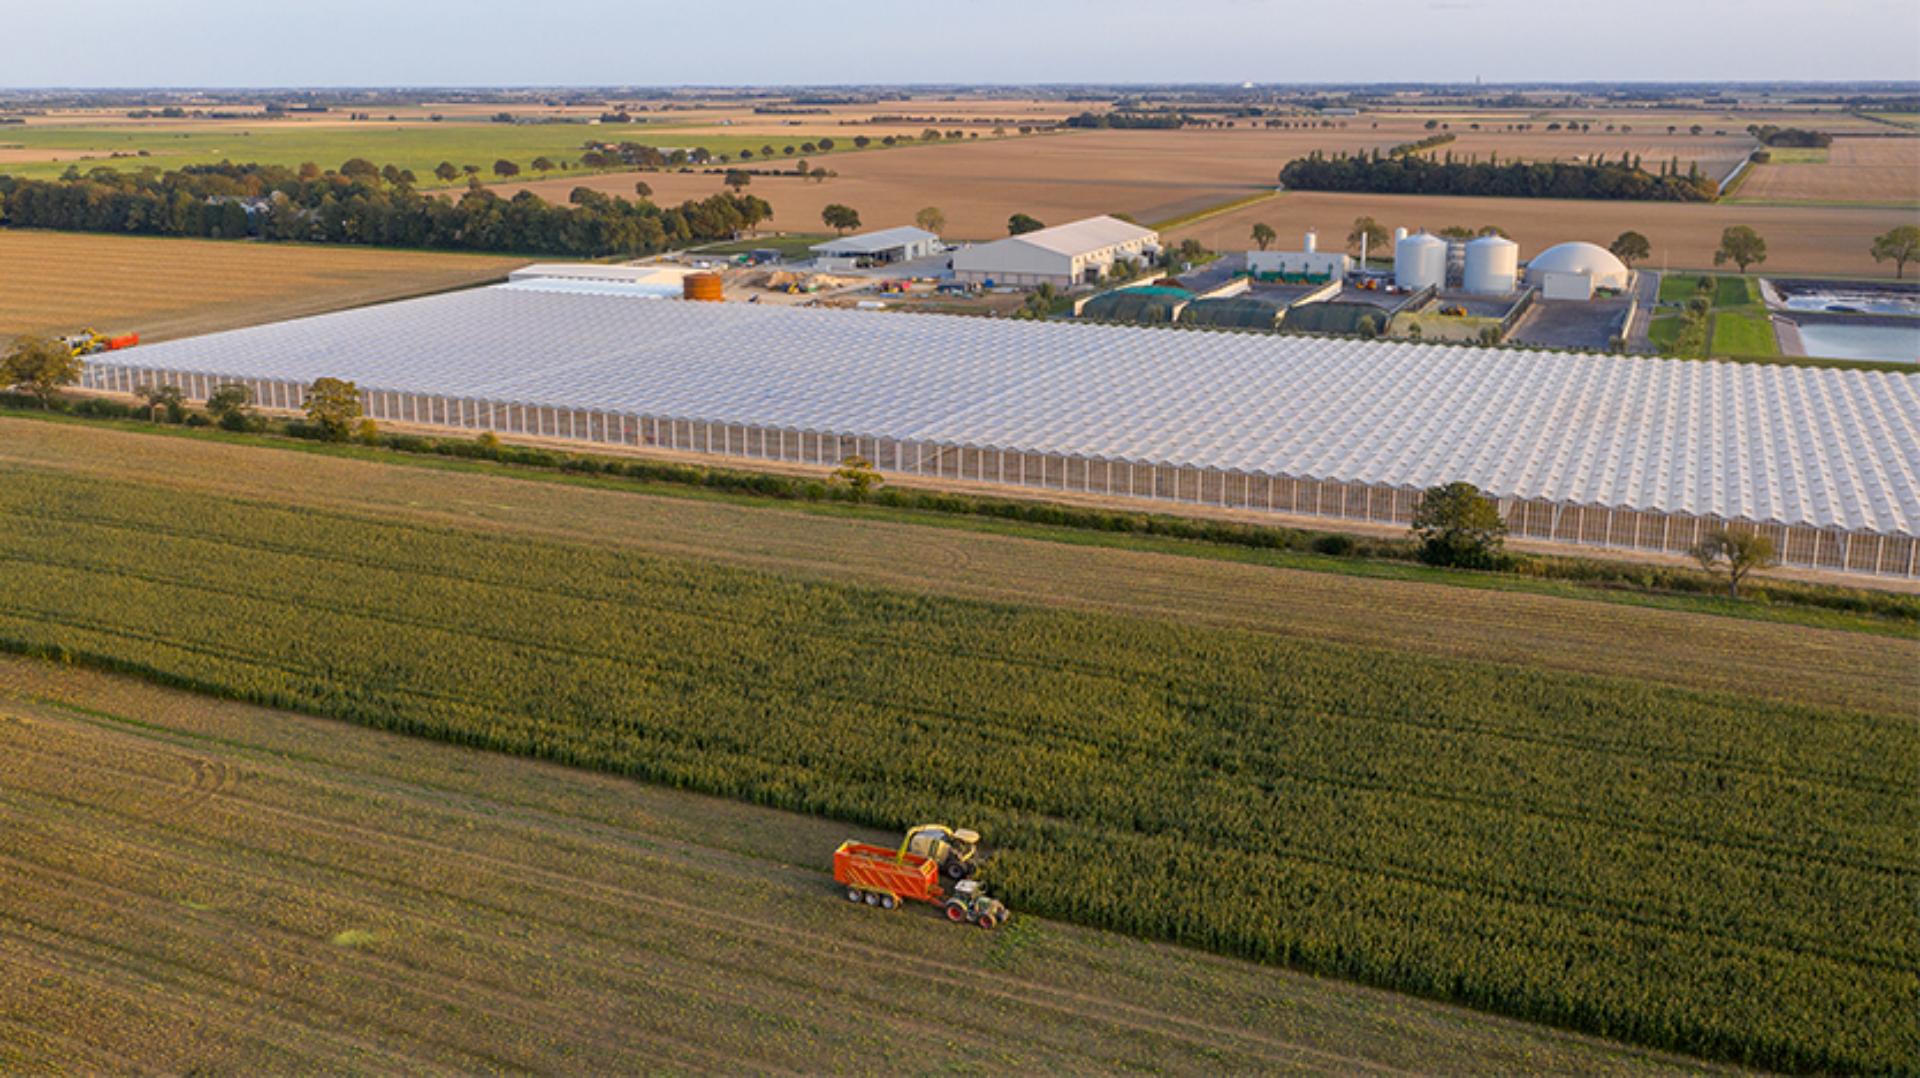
(161,288)
(1855,170)
(1716,871)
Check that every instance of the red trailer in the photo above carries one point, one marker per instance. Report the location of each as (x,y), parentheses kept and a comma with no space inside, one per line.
(884,877)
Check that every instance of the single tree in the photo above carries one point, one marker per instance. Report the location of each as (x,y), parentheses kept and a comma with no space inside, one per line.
(333,405)
(1742,551)
(643,189)
(840,218)
(543,164)
(1020,224)
(1901,244)
(1459,526)
(931,219)
(857,474)
(471,170)
(1630,247)
(40,366)
(446,171)
(737,179)
(1374,232)
(504,168)
(1740,245)
(1263,234)
(165,404)
(230,406)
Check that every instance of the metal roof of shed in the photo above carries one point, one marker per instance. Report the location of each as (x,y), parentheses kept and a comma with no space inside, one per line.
(867,243)
(1766,443)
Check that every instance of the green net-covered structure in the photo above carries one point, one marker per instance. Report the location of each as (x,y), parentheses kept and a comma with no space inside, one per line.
(1147,305)
(1233,312)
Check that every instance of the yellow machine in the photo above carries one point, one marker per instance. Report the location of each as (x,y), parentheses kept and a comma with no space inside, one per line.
(954,850)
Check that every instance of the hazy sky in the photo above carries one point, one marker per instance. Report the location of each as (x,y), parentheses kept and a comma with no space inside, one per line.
(717,42)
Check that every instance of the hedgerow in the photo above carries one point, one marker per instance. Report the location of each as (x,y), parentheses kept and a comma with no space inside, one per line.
(1714,874)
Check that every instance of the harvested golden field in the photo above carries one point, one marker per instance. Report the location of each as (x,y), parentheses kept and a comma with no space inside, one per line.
(59,282)
(199,885)
(1683,649)
(1856,170)
(1151,175)
(1800,239)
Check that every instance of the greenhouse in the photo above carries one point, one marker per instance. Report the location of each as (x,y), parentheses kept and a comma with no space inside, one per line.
(1608,451)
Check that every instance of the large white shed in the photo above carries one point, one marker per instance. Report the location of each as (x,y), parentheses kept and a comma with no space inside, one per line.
(1062,256)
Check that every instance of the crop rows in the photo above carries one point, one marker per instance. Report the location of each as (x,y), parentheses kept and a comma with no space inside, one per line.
(1716,874)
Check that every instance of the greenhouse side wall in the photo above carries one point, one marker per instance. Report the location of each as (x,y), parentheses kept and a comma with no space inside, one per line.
(1591,526)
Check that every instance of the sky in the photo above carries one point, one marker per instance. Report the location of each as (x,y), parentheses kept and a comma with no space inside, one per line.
(240,43)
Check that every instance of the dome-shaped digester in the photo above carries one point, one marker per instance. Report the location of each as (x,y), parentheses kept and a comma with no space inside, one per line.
(1591,259)
(1420,261)
(1493,262)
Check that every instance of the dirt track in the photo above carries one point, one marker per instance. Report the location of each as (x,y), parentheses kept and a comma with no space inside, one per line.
(206,886)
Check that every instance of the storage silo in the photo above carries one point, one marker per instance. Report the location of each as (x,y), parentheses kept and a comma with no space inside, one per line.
(1493,262)
(1420,261)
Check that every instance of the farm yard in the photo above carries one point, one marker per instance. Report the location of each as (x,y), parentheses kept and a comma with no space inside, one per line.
(1724,872)
(1872,170)
(59,282)
(1829,240)
(354,877)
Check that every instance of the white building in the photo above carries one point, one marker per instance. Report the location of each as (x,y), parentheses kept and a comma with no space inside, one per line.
(1312,261)
(1061,256)
(1559,271)
(901,244)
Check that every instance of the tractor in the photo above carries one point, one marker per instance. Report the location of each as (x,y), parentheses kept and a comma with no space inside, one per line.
(970,904)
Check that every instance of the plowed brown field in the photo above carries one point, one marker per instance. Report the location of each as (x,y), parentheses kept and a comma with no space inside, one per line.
(1856,170)
(203,886)
(58,282)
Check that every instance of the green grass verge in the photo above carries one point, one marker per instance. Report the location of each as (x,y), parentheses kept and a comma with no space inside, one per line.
(1733,292)
(1211,211)
(1743,333)
(1705,872)
(1680,287)
(790,245)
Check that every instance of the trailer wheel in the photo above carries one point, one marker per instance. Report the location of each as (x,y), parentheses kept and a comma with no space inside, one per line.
(955,913)
(887,902)
(872,899)
(853,894)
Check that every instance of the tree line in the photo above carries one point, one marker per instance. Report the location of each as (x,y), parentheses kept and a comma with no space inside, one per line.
(1416,175)
(363,204)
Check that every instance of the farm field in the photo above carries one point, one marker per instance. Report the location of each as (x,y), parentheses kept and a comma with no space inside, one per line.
(161,288)
(46,152)
(1150,175)
(1722,872)
(204,885)
(1684,650)
(1832,240)
(1853,170)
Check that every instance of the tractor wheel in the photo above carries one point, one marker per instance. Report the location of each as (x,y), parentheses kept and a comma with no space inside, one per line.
(956,912)
(988,923)
(887,902)
(956,870)
(853,894)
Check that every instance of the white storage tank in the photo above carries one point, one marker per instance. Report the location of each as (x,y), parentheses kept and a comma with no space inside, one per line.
(1493,263)
(1420,261)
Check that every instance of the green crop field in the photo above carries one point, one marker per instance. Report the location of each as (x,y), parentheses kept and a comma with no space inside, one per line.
(1727,873)
(1743,333)
(414,147)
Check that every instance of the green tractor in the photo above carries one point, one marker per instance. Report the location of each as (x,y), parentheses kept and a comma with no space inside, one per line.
(969,903)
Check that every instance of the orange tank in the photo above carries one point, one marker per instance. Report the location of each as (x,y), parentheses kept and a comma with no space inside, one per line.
(125,340)
(704,287)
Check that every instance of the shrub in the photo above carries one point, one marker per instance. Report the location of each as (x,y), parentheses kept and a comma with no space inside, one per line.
(1338,546)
